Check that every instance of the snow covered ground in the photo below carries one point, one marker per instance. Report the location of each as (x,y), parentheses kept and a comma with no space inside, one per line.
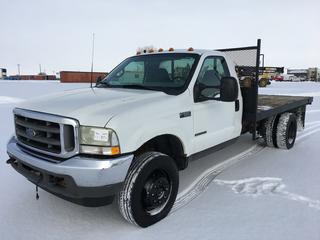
(244,191)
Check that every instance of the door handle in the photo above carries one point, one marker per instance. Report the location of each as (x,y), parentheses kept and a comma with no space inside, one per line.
(236,105)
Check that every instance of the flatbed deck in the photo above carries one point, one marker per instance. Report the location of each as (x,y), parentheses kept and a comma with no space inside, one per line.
(270,105)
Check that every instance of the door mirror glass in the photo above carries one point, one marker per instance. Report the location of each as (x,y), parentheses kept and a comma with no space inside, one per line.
(208,84)
(229,89)
(203,92)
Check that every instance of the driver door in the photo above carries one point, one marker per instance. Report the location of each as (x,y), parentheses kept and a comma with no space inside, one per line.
(214,120)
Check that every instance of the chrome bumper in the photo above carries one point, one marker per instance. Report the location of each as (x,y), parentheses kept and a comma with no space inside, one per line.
(86,172)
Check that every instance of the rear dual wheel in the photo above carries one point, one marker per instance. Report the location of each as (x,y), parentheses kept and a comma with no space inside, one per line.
(280,131)
(286,131)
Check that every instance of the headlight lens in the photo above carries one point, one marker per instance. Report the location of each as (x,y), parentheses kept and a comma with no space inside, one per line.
(101,141)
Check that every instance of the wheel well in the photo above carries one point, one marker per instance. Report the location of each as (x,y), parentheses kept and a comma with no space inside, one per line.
(169,145)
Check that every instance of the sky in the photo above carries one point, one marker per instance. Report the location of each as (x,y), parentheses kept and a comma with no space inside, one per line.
(58,34)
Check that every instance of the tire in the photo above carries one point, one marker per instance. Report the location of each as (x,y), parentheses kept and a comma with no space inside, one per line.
(269,132)
(286,130)
(150,189)
(263,82)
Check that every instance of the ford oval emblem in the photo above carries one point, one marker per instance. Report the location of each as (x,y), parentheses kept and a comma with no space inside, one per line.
(31,132)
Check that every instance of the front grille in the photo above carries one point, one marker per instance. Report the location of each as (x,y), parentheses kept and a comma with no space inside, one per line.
(38,134)
(45,133)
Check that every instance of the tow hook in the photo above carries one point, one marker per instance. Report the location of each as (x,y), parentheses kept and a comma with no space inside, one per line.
(10,161)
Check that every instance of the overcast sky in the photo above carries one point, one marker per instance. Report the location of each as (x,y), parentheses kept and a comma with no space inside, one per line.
(57,34)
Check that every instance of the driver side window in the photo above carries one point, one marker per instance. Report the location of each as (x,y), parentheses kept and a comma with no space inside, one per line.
(212,71)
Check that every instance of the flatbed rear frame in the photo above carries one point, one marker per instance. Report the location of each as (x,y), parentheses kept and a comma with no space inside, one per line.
(257,108)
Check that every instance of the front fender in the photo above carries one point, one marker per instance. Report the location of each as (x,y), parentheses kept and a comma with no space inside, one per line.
(133,134)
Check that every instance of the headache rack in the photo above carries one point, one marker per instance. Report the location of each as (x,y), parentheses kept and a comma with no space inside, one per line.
(247,61)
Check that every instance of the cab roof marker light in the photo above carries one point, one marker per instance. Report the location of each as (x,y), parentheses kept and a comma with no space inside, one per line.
(146,49)
(171,49)
(190,49)
(160,50)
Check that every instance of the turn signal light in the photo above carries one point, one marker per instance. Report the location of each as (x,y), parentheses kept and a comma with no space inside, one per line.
(115,150)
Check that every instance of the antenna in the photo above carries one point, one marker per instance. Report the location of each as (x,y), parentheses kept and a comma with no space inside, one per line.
(92,55)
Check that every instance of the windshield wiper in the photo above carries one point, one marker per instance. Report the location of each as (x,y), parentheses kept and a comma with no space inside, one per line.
(103,84)
(139,86)
(132,86)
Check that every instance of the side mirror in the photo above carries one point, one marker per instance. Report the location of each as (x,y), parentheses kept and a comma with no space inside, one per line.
(229,89)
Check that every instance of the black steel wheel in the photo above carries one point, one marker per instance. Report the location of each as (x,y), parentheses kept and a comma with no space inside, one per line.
(150,189)
(156,192)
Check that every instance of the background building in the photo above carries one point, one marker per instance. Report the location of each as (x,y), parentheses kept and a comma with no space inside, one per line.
(81,77)
(3,73)
(314,74)
(33,77)
(301,74)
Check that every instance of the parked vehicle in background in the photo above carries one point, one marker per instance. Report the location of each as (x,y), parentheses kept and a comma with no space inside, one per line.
(295,79)
(131,134)
(278,78)
(288,77)
(263,82)
(266,74)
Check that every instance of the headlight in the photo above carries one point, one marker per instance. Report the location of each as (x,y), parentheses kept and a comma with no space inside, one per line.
(101,141)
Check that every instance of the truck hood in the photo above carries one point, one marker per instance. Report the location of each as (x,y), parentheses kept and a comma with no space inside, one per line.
(94,107)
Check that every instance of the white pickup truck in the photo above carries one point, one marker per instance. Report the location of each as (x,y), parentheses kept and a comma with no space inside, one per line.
(130,134)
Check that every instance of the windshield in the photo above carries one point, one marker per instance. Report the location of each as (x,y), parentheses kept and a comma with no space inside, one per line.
(170,72)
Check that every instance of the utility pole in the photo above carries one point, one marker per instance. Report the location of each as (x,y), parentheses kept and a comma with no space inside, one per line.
(92,56)
(262,55)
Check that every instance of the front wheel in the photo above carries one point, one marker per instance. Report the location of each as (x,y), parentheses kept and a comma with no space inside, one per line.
(150,189)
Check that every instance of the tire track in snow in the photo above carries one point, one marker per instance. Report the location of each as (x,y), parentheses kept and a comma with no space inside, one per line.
(258,186)
(309,130)
(204,180)
(312,123)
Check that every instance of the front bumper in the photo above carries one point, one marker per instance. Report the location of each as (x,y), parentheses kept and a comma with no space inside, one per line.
(82,180)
